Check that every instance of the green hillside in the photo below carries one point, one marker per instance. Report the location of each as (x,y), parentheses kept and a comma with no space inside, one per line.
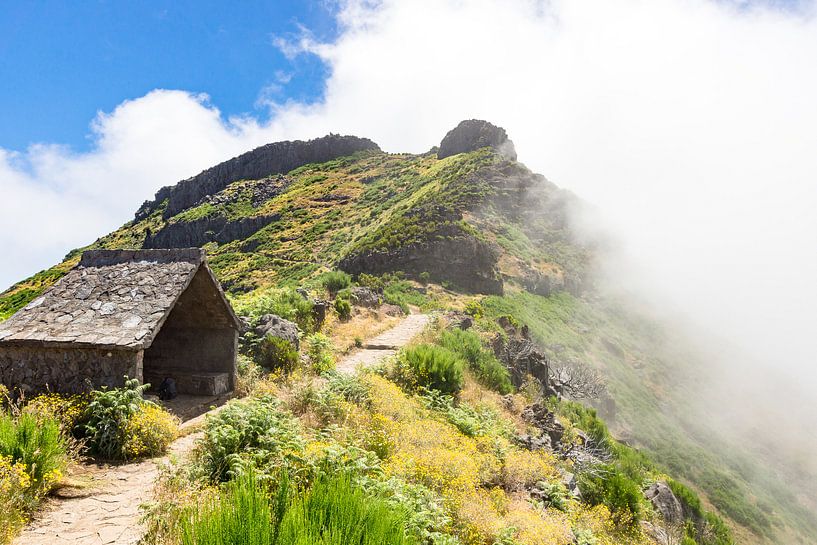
(477,230)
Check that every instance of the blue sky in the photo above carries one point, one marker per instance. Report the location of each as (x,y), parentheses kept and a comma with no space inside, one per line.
(61,62)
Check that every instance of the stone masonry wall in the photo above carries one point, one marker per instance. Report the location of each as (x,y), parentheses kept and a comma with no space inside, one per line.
(68,370)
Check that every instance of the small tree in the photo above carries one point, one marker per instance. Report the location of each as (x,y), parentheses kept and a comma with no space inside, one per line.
(578,381)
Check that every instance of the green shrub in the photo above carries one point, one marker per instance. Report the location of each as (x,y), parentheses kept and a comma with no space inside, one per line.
(432,367)
(474,308)
(343,308)
(242,514)
(319,348)
(584,537)
(376,283)
(482,362)
(472,421)
(276,354)
(336,512)
(104,420)
(607,485)
(403,294)
(335,281)
(554,495)
(425,277)
(251,434)
(36,443)
(286,303)
(689,499)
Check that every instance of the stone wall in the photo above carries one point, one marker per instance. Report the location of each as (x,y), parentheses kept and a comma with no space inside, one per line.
(70,370)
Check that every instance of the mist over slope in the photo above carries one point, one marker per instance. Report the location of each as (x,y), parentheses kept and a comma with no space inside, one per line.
(474,220)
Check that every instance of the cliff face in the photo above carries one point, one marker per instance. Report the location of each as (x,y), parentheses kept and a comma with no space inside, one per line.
(276,158)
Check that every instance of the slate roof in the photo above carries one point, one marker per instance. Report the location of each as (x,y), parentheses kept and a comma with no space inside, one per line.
(112,299)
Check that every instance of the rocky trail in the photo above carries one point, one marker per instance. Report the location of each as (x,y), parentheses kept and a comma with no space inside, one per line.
(386,344)
(107,511)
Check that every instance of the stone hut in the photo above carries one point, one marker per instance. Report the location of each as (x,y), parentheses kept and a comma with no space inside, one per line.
(147,314)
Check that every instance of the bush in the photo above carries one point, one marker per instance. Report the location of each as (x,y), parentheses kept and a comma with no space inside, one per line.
(36,444)
(425,277)
(14,497)
(432,367)
(469,420)
(403,294)
(481,361)
(343,308)
(335,281)
(66,409)
(609,486)
(286,303)
(276,354)
(251,434)
(106,423)
(149,431)
(336,512)
(319,348)
(376,283)
(474,308)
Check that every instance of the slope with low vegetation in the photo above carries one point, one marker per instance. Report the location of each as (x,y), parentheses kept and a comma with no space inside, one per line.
(474,231)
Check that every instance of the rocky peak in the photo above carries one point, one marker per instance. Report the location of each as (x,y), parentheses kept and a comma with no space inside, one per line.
(276,158)
(473,134)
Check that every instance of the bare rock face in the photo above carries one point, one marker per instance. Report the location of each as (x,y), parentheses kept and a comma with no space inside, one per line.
(199,232)
(473,134)
(276,158)
(665,502)
(469,263)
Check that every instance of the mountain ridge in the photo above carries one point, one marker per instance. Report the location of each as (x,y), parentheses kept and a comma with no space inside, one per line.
(466,216)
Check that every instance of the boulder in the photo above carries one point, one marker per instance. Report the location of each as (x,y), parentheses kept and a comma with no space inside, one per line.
(665,502)
(473,134)
(392,310)
(459,320)
(319,309)
(270,324)
(364,297)
(545,420)
(534,443)
(570,482)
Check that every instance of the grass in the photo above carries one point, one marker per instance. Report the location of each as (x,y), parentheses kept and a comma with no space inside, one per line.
(336,512)
(333,511)
(37,444)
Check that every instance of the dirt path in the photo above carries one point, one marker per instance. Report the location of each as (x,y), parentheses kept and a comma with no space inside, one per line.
(107,512)
(386,344)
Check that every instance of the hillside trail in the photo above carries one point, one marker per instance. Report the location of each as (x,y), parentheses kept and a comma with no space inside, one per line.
(107,512)
(386,344)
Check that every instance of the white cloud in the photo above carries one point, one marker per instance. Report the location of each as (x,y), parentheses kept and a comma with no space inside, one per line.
(689,123)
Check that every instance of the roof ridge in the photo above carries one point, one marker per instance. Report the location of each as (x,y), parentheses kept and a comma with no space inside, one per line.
(104,258)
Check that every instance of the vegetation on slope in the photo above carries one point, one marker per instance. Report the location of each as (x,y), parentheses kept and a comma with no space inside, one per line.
(378,201)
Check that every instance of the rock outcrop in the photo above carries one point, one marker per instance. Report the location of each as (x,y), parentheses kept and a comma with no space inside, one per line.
(185,234)
(364,297)
(473,134)
(665,502)
(276,158)
(464,260)
(275,326)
